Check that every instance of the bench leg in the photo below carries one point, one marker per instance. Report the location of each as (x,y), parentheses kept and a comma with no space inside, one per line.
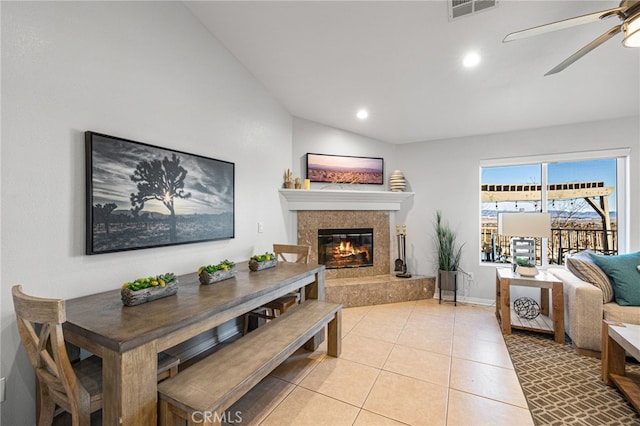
(207,418)
(334,338)
(172,416)
(313,343)
(165,414)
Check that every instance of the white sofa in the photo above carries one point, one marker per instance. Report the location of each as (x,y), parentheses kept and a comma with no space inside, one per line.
(584,311)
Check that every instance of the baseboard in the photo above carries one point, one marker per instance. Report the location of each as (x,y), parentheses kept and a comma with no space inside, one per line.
(467,299)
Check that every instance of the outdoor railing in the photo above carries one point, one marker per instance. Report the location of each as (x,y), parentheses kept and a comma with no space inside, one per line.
(563,241)
(568,241)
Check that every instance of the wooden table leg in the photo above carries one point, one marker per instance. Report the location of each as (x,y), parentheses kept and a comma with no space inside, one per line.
(315,290)
(505,306)
(497,296)
(544,301)
(129,386)
(613,356)
(334,335)
(558,311)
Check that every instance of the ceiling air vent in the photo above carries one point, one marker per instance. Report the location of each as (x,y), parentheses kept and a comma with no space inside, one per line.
(459,8)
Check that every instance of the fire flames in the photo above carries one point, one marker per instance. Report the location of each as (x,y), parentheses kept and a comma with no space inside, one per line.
(346,249)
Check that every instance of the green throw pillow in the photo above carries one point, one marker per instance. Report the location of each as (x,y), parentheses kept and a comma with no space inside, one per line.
(623,272)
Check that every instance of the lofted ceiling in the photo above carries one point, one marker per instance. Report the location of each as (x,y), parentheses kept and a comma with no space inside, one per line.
(324,60)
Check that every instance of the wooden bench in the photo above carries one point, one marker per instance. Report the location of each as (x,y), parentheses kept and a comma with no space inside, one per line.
(200,394)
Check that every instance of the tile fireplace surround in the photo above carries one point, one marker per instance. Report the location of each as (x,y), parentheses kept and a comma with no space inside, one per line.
(310,221)
(357,286)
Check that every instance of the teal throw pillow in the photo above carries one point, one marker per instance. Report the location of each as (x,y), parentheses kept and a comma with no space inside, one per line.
(624,274)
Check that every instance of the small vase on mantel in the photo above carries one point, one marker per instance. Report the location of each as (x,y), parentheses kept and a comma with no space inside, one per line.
(397,182)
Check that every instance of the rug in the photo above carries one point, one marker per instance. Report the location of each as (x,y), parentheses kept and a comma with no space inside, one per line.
(564,388)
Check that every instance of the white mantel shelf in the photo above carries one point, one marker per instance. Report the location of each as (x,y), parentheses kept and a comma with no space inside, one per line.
(321,199)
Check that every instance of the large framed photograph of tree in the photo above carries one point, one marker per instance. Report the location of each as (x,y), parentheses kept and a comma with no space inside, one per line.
(141,196)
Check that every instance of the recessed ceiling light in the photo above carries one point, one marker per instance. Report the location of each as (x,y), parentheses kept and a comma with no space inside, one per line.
(471,60)
(362,114)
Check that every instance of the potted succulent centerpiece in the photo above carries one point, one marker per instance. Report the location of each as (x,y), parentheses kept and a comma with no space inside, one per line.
(150,288)
(525,267)
(213,273)
(448,252)
(262,261)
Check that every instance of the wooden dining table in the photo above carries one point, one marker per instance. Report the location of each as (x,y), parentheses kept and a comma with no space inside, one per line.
(128,338)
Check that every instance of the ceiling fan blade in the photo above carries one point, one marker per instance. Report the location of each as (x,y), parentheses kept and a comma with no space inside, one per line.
(588,48)
(560,25)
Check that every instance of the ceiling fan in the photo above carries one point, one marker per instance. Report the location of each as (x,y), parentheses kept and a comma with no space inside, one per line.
(628,12)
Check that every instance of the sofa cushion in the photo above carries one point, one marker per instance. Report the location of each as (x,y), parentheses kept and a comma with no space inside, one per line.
(583,267)
(617,313)
(624,274)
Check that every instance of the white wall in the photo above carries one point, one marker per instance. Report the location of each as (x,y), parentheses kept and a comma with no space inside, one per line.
(313,137)
(145,71)
(309,136)
(445,176)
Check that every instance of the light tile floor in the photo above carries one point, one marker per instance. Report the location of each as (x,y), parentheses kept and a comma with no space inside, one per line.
(415,363)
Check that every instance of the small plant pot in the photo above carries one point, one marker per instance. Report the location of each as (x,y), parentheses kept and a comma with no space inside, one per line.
(254,265)
(208,278)
(447,280)
(144,295)
(527,271)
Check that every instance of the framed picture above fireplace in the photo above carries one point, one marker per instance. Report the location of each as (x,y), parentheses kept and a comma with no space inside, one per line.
(345,169)
(141,196)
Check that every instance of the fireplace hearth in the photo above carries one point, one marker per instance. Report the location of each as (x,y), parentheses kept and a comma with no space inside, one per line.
(345,247)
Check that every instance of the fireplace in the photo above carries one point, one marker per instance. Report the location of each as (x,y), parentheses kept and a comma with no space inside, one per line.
(345,247)
(311,222)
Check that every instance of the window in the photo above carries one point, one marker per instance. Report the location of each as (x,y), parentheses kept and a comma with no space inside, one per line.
(506,189)
(582,195)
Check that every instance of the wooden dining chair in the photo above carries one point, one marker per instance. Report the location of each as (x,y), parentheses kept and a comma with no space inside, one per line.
(286,253)
(74,387)
(76,390)
(268,311)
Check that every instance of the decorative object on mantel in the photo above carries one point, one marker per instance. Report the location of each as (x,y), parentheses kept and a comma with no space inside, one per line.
(147,289)
(288,179)
(213,273)
(262,261)
(526,308)
(298,183)
(401,261)
(307,184)
(397,182)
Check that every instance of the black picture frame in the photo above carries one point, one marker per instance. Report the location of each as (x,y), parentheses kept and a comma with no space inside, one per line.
(141,196)
(345,169)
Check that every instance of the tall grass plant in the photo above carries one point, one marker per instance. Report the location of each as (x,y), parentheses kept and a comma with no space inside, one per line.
(447,248)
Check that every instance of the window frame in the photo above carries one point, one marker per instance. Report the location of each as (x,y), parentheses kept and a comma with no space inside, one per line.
(621,155)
